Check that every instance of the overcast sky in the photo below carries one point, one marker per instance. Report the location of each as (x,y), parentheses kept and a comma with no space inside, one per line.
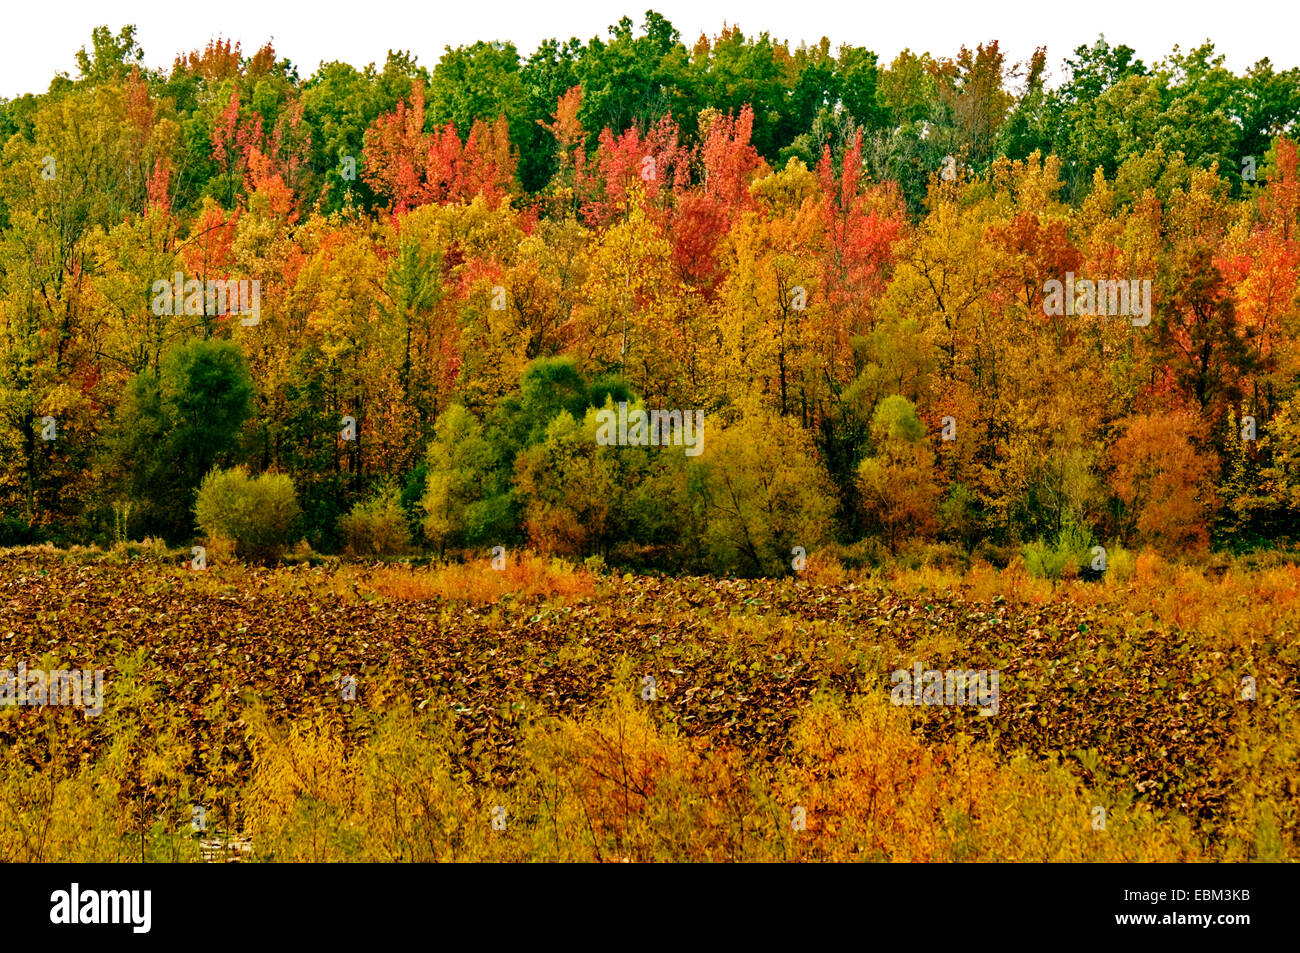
(41,37)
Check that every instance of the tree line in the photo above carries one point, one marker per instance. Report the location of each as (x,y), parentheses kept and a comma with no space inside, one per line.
(841,265)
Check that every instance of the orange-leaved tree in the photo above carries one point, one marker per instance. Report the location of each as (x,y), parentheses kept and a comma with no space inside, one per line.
(1164,480)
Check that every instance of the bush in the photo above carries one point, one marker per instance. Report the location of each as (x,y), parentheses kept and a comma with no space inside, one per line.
(897,493)
(867,554)
(376,527)
(1043,561)
(918,554)
(1120,563)
(303,555)
(824,570)
(762,490)
(258,513)
(569,486)
(218,550)
(525,577)
(959,516)
(997,556)
(150,549)
(16,531)
(1072,549)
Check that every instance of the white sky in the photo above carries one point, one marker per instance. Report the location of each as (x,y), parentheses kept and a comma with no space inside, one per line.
(41,37)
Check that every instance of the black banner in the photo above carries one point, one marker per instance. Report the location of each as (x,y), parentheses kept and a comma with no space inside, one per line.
(236,903)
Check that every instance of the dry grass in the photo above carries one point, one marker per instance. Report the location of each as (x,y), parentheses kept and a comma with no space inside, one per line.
(526,577)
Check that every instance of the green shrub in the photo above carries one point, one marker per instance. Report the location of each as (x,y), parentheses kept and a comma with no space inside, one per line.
(258,513)
(1044,561)
(377,526)
(1072,549)
(16,531)
(466,496)
(1120,563)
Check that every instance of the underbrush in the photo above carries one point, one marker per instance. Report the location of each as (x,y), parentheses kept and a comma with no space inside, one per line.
(523,576)
(615,785)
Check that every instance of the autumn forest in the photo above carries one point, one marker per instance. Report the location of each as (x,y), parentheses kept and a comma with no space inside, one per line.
(651,448)
(841,263)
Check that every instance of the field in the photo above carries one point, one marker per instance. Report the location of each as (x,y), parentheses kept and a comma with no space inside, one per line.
(454,712)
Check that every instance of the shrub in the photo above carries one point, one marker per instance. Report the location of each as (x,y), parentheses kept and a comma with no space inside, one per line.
(868,553)
(917,554)
(219,550)
(616,785)
(569,486)
(16,531)
(1071,550)
(872,789)
(824,570)
(959,515)
(762,490)
(986,551)
(151,549)
(303,555)
(1043,561)
(1120,563)
(258,513)
(377,526)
